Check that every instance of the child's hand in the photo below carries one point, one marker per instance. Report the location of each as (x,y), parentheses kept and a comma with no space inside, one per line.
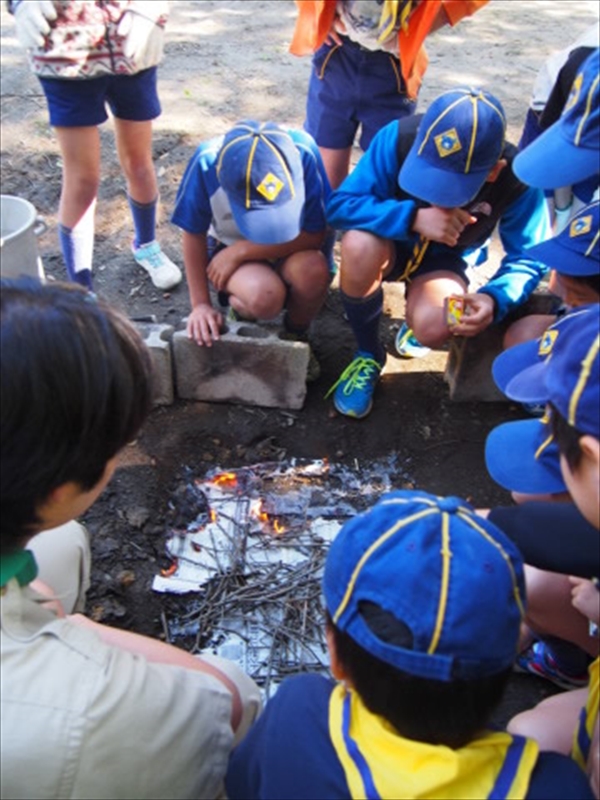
(477,316)
(204,324)
(443,225)
(221,268)
(585,598)
(337,28)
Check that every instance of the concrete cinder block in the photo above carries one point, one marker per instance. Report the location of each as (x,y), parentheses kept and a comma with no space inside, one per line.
(250,365)
(158,340)
(469,366)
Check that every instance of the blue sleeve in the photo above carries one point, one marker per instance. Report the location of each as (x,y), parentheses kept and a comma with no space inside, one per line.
(551,536)
(556,775)
(524,223)
(288,753)
(366,200)
(193,211)
(316,184)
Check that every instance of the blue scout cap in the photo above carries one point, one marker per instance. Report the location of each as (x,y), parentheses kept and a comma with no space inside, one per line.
(576,250)
(261,172)
(519,372)
(460,139)
(522,456)
(568,152)
(450,581)
(573,373)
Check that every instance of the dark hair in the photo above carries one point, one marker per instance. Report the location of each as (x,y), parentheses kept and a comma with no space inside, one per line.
(75,388)
(437,712)
(566,437)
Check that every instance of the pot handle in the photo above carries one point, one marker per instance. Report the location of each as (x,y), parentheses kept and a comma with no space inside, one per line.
(40,226)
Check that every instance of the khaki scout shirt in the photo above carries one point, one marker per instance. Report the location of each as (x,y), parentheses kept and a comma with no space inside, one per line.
(81,719)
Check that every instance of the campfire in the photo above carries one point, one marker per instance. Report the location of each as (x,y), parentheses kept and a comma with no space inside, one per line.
(249,548)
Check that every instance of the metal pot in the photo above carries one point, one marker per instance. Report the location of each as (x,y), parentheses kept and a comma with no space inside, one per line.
(20,226)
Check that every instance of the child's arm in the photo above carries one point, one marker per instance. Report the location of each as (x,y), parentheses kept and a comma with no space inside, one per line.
(586,598)
(227,261)
(159,652)
(204,321)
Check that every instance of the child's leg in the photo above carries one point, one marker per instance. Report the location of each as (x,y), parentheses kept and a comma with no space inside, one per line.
(425,305)
(256,291)
(365,260)
(80,151)
(307,277)
(552,722)
(134,147)
(550,611)
(530,327)
(64,560)
(336,163)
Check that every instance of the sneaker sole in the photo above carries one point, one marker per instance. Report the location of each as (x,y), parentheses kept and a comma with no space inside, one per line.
(556,680)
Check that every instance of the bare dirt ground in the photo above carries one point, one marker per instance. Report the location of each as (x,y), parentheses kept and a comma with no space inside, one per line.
(226,61)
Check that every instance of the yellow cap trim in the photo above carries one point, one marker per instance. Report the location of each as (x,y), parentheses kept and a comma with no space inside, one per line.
(485,100)
(249,170)
(443,601)
(516,592)
(227,146)
(473,135)
(543,446)
(281,160)
(586,368)
(375,546)
(588,109)
(593,244)
(439,118)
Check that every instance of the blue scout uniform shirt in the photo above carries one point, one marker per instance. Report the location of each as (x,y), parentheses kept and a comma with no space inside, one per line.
(368,200)
(584,733)
(202,206)
(303,747)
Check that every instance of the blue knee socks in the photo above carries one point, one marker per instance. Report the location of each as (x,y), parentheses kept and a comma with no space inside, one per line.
(144,220)
(364,315)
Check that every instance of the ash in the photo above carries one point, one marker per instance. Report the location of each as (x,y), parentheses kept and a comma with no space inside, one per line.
(249,546)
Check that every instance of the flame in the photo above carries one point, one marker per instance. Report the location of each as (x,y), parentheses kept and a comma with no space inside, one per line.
(166,573)
(212,515)
(257,511)
(225,479)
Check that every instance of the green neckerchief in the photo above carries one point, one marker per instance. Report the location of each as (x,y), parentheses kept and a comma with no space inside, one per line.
(20,565)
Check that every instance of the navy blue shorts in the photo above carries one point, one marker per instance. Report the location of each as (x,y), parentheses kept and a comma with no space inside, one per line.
(351,86)
(78,103)
(411,263)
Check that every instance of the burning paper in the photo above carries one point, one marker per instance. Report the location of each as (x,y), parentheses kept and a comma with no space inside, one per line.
(252,551)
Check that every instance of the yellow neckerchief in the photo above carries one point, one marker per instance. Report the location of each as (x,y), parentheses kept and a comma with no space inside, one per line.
(394,11)
(585,729)
(379,763)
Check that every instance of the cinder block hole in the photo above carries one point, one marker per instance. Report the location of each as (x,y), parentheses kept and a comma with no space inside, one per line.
(252,332)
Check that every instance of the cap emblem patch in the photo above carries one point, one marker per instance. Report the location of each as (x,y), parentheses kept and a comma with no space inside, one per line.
(547,342)
(574,93)
(270,186)
(580,226)
(447,143)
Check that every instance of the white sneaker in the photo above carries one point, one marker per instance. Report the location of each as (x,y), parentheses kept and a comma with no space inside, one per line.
(163,272)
